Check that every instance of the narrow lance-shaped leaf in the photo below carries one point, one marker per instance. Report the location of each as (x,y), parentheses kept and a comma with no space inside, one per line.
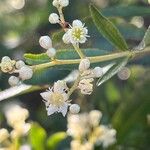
(107,29)
(145,42)
(18,90)
(112,71)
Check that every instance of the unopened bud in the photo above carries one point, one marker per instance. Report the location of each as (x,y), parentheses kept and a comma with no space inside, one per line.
(20,64)
(3,135)
(13,81)
(98,72)
(53,18)
(74,108)
(84,65)
(45,42)
(25,73)
(51,52)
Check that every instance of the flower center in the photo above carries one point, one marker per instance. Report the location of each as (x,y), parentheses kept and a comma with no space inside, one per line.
(57,99)
(77,33)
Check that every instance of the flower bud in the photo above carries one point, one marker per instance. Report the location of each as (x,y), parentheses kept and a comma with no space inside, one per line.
(13,81)
(74,108)
(53,18)
(60,3)
(64,3)
(98,72)
(20,64)
(51,52)
(45,42)
(84,65)
(55,3)
(25,73)
(3,135)
(6,58)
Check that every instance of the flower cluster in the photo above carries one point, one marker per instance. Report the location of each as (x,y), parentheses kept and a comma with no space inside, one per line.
(11,66)
(57,97)
(86,131)
(16,117)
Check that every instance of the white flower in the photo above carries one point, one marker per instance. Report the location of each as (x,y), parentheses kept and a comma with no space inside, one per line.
(108,136)
(60,3)
(86,86)
(25,73)
(45,42)
(74,108)
(20,129)
(98,72)
(77,33)
(56,98)
(7,65)
(13,81)
(53,18)
(20,64)
(51,52)
(16,115)
(3,135)
(95,117)
(84,65)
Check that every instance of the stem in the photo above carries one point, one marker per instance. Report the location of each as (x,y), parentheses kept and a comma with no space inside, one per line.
(62,18)
(73,88)
(94,59)
(78,50)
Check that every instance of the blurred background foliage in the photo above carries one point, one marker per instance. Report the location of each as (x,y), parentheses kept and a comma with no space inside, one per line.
(124,100)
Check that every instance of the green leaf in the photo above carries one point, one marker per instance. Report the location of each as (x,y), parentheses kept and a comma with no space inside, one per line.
(145,42)
(107,29)
(18,90)
(37,137)
(116,67)
(126,11)
(34,59)
(47,76)
(55,139)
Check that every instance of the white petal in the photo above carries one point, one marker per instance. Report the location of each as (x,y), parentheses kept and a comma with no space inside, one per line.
(46,95)
(85,30)
(63,109)
(83,40)
(77,23)
(59,86)
(51,109)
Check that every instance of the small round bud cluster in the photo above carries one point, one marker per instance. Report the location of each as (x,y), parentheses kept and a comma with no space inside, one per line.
(53,18)
(46,43)
(74,108)
(84,65)
(60,3)
(7,65)
(25,73)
